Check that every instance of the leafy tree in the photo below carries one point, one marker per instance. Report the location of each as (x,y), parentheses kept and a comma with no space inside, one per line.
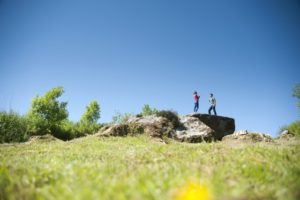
(92,113)
(47,113)
(88,122)
(296,93)
(147,110)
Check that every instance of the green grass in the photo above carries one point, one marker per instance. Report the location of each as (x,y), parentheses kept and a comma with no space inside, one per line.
(142,168)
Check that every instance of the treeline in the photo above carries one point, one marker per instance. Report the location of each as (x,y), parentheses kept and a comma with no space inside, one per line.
(48,116)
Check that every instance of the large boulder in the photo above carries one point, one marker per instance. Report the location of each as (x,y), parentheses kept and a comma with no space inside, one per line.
(192,128)
(203,127)
(151,125)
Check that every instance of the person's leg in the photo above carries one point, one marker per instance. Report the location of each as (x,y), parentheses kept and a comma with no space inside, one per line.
(196,107)
(214,109)
(209,110)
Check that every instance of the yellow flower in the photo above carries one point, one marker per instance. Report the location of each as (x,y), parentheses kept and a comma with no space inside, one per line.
(193,191)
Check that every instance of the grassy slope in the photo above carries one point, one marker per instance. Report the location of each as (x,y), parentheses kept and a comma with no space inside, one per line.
(141,168)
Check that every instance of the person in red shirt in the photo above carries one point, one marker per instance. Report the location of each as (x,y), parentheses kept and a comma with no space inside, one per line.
(196,99)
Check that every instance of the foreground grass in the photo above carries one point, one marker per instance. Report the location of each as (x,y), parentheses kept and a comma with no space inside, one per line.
(141,168)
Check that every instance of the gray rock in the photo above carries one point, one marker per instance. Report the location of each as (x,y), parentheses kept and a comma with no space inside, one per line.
(194,128)
(248,137)
(115,130)
(286,135)
(240,132)
(203,127)
(43,138)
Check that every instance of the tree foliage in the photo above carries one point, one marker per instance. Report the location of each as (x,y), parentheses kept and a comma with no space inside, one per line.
(91,114)
(147,110)
(296,93)
(13,127)
(47,113)
(119,118)
(172,116)
(88,122)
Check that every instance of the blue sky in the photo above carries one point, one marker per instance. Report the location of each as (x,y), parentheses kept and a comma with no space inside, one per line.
(125,54)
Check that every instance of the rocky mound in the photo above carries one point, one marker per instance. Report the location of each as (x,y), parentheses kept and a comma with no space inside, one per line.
(245,136)
(286,135)
(190,128)
(42,138)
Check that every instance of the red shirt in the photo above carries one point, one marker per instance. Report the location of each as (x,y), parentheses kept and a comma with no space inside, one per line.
(196,97)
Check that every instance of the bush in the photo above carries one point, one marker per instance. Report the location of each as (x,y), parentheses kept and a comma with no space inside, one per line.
(120,118)
(172,116)
(147,110)
(294,128)
(81,129)
(13,127)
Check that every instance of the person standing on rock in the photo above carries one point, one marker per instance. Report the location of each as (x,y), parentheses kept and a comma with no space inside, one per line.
(213,103)
(196,99)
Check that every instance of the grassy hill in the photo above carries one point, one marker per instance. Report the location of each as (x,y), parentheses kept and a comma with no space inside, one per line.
(144,168)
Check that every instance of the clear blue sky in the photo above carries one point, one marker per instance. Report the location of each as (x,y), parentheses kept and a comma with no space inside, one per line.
(125,54)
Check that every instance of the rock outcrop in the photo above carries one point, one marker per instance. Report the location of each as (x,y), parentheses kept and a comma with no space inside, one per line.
(43,138)
(191,128)
(286,135)
(246,136)
(203,127)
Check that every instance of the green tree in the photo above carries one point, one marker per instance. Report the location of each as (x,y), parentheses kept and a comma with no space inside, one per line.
(92,113)
(47,113)
(296,93)
(88,122)
(147,110)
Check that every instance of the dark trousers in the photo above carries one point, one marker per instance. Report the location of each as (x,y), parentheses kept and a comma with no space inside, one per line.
(212,108)
(196,106)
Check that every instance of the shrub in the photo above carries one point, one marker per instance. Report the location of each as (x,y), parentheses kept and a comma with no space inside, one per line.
(120,118)
(13,127)
(68,130)
(294,128)
(81,128)
(135,129)
(147,110)
(172,116)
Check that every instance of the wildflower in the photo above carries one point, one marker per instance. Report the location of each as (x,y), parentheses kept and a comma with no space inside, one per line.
(193,191)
